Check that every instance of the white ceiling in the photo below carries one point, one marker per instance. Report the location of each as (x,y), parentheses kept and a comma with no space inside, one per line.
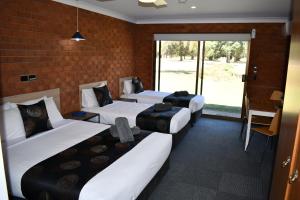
(206,11)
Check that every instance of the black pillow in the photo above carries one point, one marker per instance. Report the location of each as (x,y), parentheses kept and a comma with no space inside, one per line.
(162,107)
(181,93)
(138,85)
(102,95)
(35,118)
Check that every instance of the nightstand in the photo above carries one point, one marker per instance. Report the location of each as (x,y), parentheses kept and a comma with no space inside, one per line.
(82,115)
(127,100)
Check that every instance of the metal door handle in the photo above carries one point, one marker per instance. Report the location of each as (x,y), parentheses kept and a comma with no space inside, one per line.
(293,177)
(286,162)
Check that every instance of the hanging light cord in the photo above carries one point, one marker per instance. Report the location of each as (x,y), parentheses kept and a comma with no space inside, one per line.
(77,19)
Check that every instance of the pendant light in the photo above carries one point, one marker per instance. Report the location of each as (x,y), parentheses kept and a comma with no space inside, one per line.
(77,36)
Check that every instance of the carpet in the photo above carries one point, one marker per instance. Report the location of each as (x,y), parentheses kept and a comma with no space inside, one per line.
(210,164)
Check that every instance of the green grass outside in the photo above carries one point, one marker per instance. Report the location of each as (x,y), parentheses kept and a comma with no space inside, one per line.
(222,108)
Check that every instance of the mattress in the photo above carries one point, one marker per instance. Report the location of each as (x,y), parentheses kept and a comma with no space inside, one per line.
(110,112)
(152,97)
(148,157)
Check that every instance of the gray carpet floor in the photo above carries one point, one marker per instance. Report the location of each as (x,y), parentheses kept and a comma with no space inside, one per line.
(210,164)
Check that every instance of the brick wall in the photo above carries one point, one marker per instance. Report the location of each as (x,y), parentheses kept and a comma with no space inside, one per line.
(268,51)
(35,39)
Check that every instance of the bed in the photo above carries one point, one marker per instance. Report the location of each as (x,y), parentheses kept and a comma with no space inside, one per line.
(140,164)
(131,111)
(151,97)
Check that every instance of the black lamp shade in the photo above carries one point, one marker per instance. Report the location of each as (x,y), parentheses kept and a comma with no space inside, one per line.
(77,36)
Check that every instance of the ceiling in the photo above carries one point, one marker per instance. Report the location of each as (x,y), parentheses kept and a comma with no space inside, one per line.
(206,11)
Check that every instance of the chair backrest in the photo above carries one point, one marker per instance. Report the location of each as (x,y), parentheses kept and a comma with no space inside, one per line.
(276,95)
(274,127)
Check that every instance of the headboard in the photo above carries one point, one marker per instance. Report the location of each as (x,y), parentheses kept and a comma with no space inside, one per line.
(55,93)
(87,86)
(121,84)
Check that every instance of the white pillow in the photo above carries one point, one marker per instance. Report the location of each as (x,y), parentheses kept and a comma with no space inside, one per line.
(52,110)
(53,113)
(128,87)
(29,102)
(33,101)
(6,106)
(88,98)
(11,123)
(11,126)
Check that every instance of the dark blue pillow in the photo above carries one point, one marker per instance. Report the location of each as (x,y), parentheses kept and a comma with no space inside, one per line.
(35,118)
(102,95)
(138,85)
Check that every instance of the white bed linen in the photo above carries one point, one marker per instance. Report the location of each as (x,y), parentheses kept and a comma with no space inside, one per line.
(27,153)
(128,176)
(110,112)
(152,97)
(124,179)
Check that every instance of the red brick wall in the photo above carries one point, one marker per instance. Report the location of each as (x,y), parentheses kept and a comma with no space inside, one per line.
(268,51)
(35,39)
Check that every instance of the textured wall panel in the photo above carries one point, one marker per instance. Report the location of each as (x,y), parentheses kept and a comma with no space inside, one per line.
(35,39)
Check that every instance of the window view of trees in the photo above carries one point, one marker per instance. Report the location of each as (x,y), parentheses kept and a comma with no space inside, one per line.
(224,63)
(181,49)
(233,51)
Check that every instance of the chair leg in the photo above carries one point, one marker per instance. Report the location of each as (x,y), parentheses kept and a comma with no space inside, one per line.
(250,138)
(242,129)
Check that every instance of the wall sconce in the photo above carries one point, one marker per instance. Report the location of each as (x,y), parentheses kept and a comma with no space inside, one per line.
(27,78)
(254,72)
(253,33)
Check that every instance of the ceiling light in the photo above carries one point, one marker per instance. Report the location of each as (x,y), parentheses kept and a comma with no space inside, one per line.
(182,1)
(77,36)
(193,7)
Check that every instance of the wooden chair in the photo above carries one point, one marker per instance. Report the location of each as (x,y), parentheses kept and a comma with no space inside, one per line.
(277,98)
(265,121)
(270,131)
(276,95)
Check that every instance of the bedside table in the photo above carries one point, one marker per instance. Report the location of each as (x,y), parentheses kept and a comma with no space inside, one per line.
(87,116)
(127,100)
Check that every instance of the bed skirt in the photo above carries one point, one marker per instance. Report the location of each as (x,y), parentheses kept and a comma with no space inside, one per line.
(177,137)
(196,115)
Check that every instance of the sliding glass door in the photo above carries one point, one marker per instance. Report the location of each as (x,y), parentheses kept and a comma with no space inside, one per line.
(213,69)
(224,65)
(178,66)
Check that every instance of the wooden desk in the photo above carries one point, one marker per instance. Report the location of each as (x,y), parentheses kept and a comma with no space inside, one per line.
(257,111)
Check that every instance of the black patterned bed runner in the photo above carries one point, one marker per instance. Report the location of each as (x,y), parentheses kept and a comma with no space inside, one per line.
(179,101)
(63,175)
(151,120)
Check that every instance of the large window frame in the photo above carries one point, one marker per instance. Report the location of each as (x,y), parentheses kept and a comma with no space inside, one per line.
(158,38)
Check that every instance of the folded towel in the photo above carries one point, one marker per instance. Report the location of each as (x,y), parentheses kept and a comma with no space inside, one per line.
(181,93)
(136,130)
(161,107)
(124,131)
(114,131)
